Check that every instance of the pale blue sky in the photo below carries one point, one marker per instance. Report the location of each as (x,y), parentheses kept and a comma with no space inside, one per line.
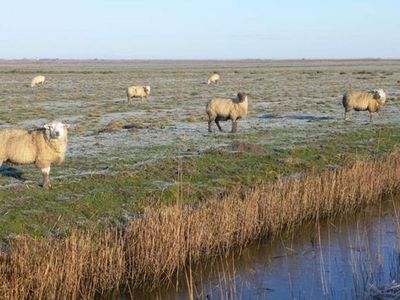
(178,29)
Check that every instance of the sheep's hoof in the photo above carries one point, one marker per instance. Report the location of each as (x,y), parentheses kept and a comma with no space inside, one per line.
(46,185)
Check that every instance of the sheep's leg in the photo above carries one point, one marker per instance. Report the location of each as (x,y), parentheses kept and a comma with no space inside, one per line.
(370,117)
(209,124)
(234,126)
(46,177)
(346,115)
(219,126)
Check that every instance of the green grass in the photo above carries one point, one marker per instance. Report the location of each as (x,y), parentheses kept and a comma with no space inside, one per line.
(140,166)
(112,199)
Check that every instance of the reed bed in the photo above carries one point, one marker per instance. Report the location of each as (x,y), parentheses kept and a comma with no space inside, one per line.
(152,249)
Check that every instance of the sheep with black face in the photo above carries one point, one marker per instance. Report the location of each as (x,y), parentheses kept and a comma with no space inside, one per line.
(223,109)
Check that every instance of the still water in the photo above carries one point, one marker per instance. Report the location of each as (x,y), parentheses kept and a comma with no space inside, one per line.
(344,258)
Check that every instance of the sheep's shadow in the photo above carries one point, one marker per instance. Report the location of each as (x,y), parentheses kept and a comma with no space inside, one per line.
(307,118)
(8,171)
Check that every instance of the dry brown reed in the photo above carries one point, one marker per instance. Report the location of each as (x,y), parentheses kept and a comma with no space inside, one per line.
(161,243)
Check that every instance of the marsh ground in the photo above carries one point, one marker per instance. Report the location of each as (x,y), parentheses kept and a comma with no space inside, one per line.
(122,157)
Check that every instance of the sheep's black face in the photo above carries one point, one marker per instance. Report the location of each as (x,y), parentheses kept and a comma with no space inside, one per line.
(241,96)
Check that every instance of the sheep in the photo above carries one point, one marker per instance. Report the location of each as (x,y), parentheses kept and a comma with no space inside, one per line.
(37,80)
(42,147)
(214,78)
(223,109)
(137,92)
(361,101)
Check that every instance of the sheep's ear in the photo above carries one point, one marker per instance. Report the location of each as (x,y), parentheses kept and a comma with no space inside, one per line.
(47,126)
(66,126)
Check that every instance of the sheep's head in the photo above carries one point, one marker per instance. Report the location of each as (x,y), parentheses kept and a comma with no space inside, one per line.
(56,130)
(147,89)
(242,96)
(380,95)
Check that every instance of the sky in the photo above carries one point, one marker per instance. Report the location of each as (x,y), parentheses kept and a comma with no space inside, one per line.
(203,29)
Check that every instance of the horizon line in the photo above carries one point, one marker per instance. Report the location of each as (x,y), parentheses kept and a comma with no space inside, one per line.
(189,59)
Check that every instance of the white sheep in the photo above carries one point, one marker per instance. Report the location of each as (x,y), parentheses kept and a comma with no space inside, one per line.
(361,101)
(42,147)
(214,78)
(223,109)
(37,80)
(137,92)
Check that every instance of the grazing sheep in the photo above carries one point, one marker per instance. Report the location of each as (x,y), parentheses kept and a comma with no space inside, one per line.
(214,78)
(137,92)
(37,80)
(223,109)
(361,101)
(43,147)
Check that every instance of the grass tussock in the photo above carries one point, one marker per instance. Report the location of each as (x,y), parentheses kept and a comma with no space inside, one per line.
(154,247)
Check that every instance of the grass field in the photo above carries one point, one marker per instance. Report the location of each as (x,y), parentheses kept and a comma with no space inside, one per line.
(165,155)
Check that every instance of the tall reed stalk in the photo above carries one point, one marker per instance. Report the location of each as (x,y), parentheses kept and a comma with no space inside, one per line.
(161,243)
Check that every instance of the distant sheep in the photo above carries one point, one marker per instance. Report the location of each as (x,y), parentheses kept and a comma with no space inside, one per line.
(137,92)
(38,80)
(42,147)
(223,109)
(361,101)
(214,78)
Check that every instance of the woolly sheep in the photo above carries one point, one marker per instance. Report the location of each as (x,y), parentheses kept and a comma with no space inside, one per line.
(37,80)
(42,147)
(223,109)
(361,101)
(214,78)
(137,92)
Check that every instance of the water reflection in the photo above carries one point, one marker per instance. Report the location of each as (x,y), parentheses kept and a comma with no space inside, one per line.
(338,259)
